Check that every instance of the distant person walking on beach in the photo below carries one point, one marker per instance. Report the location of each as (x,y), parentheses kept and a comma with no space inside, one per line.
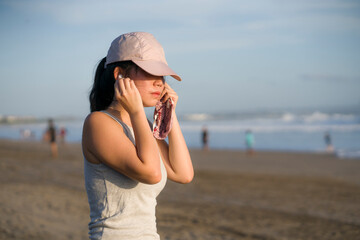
(249,142)
(62,134)
(50,136)
(205,138)
(125,166)
(328,143)
(27,134)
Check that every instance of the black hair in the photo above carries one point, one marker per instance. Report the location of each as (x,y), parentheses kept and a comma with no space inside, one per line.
(102,92)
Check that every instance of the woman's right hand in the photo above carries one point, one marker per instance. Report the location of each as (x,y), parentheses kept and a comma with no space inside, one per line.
(128,95)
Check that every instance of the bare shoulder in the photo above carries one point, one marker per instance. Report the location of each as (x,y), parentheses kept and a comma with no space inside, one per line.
(100,133)
(95,118)
(101,123)
(100,120)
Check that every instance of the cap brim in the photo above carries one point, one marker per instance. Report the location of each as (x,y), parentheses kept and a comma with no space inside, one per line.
(156,68)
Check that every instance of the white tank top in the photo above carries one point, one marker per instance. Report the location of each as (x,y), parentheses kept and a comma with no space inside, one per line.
(121,208)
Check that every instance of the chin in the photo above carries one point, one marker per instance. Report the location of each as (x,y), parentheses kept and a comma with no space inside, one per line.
(151,103)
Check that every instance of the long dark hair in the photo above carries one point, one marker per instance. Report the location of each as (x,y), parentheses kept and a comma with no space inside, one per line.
(102,92)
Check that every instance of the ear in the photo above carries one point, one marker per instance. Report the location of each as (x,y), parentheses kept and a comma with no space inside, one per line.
(117,71)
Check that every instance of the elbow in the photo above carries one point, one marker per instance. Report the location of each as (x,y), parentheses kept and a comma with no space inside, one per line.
(188,178)
(153,178)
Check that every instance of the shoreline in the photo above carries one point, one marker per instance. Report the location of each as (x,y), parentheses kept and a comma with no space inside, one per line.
(240,150)
(270,195)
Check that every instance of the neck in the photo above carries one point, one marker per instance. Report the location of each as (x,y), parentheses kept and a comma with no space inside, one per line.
(118,111)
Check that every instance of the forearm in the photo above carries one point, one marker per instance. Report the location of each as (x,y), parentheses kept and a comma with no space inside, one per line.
(146,147)
(179,156)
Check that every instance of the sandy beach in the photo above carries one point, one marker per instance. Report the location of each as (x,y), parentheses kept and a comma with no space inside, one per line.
(270,195)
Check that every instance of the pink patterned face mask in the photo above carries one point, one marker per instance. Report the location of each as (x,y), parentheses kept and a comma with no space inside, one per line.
(163,119)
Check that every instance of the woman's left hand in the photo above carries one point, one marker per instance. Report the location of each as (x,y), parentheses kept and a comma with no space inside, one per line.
(167,93)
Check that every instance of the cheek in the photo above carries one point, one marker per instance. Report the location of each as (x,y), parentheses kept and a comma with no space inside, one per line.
(141,87)
(144,88)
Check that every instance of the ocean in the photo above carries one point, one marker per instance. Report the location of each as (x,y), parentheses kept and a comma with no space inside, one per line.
(272,131)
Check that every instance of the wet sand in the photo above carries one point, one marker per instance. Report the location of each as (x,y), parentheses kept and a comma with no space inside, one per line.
(271,195)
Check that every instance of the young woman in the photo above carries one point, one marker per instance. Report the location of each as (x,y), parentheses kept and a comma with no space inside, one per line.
(125,167)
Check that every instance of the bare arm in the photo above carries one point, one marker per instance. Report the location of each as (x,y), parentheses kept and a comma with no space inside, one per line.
(104,139)
(176,155)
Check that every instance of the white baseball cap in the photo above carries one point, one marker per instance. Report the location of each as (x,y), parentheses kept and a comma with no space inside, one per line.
(144,50)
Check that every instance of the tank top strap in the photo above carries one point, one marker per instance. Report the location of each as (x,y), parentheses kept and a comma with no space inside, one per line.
(126,128)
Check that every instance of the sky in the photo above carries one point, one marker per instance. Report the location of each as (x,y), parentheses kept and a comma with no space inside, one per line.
(233,55)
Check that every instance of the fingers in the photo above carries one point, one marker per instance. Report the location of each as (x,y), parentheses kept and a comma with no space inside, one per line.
(162,94)
(166,90)
(117,90)
(132,84)
(167,86)
(164,97)
(167,93)
(127,83)
(122,85)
